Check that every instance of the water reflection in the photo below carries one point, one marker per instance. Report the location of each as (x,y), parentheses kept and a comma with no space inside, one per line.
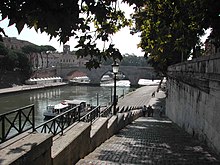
(41,98)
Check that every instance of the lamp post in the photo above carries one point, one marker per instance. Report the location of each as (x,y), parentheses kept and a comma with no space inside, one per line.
(115,68)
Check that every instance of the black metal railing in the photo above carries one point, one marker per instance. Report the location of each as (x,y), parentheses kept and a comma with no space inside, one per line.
(91,115)
(21,120)
(107,112)
(57,124)
(16,122)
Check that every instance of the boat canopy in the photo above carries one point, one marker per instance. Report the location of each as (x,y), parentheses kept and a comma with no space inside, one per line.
(75,102)
(60,106)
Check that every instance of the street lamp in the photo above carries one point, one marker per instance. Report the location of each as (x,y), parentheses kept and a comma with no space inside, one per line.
(115,68)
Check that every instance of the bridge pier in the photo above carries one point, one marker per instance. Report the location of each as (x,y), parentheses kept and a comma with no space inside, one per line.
(133,73)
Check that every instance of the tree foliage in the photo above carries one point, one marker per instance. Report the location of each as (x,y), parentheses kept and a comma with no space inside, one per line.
(66,18)
(129,60)
(132,60)
(34,50)
(14,60)
(170,29)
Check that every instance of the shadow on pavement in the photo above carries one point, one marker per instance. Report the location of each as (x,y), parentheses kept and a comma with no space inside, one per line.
(155,140)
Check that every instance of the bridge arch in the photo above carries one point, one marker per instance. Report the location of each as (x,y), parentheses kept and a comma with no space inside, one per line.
(133,73)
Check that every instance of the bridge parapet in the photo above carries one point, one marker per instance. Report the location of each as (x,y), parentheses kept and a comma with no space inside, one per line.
(133,73)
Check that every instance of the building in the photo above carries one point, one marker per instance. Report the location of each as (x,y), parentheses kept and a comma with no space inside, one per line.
(46,60)
(210,48)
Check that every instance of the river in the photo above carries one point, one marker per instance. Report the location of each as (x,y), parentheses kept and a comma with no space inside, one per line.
(42,98)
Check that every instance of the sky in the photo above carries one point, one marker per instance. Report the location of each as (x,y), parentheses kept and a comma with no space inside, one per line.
(123,40)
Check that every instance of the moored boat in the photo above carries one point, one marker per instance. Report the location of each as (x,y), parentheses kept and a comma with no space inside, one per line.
(79,81)
(54,110)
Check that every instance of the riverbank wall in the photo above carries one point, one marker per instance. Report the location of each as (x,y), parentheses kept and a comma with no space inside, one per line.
(9,78)
(193,98)
(23,88)
(77,141)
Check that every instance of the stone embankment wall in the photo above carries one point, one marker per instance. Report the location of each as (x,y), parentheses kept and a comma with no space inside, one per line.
(10,78)
(77,141)
(193,98)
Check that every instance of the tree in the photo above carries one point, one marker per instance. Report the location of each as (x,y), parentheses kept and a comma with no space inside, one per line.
(12,60)
(64,19)
(23,64)
(32,51)
(3,49)
(46,49)
(169,29)
(133,60)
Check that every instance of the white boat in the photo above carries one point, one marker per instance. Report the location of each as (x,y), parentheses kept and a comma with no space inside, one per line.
(54,110)
(106,78)
(79,80)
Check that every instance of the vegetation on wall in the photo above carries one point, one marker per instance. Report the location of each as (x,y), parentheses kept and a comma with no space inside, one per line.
(130,60)
(14,60)
(32,52)
(19,60)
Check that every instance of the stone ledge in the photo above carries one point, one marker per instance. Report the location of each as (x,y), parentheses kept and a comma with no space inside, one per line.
(30,149)
(70,144)
(99,132)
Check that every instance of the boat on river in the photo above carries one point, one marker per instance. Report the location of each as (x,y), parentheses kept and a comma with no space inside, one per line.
(84,80)
(54,110)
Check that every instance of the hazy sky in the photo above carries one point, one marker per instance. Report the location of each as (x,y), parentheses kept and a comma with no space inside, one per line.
(123,40)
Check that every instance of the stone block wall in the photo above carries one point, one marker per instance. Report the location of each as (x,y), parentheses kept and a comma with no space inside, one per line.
(10,78)
(193,98)
(76,142)
(27,148)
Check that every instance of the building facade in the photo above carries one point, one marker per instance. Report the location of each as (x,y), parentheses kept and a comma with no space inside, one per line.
(46,60)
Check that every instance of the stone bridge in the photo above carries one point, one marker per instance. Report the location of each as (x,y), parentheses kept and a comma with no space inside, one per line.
(132,73)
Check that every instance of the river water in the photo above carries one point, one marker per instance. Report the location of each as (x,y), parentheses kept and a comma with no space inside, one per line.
(42,98)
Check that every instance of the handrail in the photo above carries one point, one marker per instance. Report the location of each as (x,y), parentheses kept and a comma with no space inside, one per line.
(107,111)
(16,122)
(91,115)
(57,124)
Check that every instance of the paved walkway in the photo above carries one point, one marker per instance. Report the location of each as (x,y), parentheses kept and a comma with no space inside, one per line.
(151,140)
(139,97)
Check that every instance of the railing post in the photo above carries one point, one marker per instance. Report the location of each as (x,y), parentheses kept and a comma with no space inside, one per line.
(97,99)
(54,127)
(33,118)
(62,127)
(19,122)
(79,113)
(3,128)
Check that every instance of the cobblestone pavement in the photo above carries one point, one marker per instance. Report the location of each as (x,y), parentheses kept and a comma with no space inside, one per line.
(139,97)
(151,140)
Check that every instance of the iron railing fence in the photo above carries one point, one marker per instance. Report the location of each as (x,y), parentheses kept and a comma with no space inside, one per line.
(20,120)
(16,122)
(57,124)
(91,115)
(107,112)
